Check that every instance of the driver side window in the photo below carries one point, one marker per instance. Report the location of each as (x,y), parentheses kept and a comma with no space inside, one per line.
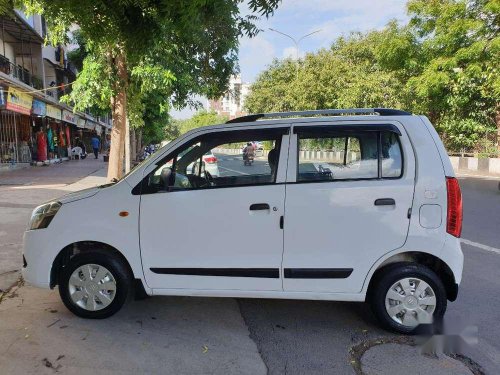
(222,159)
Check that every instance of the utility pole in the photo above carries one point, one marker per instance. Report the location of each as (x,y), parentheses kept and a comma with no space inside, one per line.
(296,42)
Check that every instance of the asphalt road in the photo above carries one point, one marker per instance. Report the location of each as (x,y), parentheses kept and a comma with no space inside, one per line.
(214,335)
(232,165)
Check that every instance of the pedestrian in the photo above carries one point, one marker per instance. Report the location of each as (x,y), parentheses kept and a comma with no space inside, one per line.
(95,145)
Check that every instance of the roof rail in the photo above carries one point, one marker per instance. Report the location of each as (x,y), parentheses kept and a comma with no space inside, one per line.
(326,112)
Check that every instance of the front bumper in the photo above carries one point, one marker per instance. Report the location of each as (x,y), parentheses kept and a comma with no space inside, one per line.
(37,258)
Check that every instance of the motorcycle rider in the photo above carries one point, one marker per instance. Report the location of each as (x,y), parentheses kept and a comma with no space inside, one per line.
(248,152)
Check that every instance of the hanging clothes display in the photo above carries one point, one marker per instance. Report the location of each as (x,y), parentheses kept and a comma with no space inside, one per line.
(41,142)
(50,140)
(68,137)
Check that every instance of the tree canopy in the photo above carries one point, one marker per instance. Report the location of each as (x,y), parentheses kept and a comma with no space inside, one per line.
(170,50)
(443,63)
(200,118)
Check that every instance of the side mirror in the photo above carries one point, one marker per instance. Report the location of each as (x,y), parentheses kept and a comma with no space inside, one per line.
(166,176)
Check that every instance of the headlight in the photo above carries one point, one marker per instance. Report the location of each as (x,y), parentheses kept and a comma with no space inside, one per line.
(43,215)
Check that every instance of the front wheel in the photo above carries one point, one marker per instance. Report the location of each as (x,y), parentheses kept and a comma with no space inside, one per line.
(94,285)
(407,295)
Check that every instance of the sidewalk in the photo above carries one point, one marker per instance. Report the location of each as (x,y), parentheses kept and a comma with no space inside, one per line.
(23,189)
(162,335)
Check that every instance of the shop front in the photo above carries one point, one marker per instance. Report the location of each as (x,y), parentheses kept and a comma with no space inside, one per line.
(16,135)
(73,132)
(61,133)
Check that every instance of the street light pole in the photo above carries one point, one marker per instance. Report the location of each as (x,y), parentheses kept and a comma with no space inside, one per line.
(296,42)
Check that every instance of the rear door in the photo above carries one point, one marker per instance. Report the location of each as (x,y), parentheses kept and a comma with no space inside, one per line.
(349,189)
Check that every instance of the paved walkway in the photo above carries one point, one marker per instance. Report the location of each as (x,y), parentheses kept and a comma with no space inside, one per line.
(22,190)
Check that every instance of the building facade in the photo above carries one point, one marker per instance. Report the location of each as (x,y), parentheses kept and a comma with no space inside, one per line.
(34,125)
(232,104)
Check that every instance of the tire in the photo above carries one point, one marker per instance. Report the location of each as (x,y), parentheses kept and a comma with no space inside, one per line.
(410,305)
(101,303)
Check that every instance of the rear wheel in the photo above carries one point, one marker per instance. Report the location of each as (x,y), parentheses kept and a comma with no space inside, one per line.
(406,296)
(94,285)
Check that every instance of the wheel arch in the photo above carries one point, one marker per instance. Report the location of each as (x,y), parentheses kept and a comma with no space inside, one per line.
(74,248)
(436,264)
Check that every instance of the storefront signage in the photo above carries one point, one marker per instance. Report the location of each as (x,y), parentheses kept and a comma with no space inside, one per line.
(2,96)
(53,112)
(90,125)
(98,129)
(81,122)
(18,101)
(69,117)
(39,108)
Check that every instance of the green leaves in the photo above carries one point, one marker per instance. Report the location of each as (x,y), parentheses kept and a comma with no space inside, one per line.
(201,118)
(444,63)
(173,50)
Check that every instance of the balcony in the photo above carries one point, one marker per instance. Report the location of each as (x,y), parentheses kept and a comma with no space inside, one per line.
(20,73)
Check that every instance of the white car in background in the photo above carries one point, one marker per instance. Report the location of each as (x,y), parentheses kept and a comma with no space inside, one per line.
(209,164)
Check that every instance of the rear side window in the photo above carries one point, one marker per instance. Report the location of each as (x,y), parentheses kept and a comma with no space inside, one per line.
(392,160)
(327,156)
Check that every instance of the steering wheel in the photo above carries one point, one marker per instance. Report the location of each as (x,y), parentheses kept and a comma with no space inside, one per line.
(209,178)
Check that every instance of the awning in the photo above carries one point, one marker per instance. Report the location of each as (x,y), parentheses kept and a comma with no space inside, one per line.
(19,29)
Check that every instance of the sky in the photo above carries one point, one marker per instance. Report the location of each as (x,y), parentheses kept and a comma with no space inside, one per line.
(333,18)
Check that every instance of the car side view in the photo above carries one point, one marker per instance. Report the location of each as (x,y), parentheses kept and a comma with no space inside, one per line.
(340,205)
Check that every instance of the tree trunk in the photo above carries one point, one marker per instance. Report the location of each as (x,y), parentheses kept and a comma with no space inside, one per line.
(127,148)
(133,146)
(139,142)
(497,121)
(119,108)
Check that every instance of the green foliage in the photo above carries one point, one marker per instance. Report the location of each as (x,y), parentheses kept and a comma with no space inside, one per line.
(199,119)
(444,63)
(173,49)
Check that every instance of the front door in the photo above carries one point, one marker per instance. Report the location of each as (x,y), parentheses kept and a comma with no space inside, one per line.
(210,221)
(347,206)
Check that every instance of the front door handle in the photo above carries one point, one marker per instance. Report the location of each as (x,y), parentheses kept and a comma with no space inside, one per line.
(259,206)
(385,202)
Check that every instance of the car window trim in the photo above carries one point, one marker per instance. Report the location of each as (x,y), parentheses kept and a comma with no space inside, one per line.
(278,130)
(347,128)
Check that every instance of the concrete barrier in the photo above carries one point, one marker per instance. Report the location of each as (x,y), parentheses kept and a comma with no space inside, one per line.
(486,166)
(489,166)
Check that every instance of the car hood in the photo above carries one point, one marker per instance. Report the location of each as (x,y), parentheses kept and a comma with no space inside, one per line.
(77,195)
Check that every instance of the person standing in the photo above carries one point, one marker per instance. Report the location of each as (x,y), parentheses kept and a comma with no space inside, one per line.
(95,145)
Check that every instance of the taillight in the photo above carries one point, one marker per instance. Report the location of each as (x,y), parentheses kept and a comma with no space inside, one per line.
(454,214)
(210,159)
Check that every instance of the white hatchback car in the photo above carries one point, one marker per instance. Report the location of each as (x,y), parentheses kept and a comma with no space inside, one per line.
(352,205)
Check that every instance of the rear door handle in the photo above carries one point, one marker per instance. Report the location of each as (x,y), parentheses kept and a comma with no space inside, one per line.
(385,202)
(259,206)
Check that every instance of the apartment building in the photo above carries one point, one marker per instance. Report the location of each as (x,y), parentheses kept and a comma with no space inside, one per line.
(232,104)
(34,124)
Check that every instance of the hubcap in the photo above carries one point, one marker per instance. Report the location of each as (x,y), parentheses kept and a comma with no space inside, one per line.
(410,302)
(92,287)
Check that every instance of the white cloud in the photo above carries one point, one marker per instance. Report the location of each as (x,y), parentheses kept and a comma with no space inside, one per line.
(290,53)
(255,54)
